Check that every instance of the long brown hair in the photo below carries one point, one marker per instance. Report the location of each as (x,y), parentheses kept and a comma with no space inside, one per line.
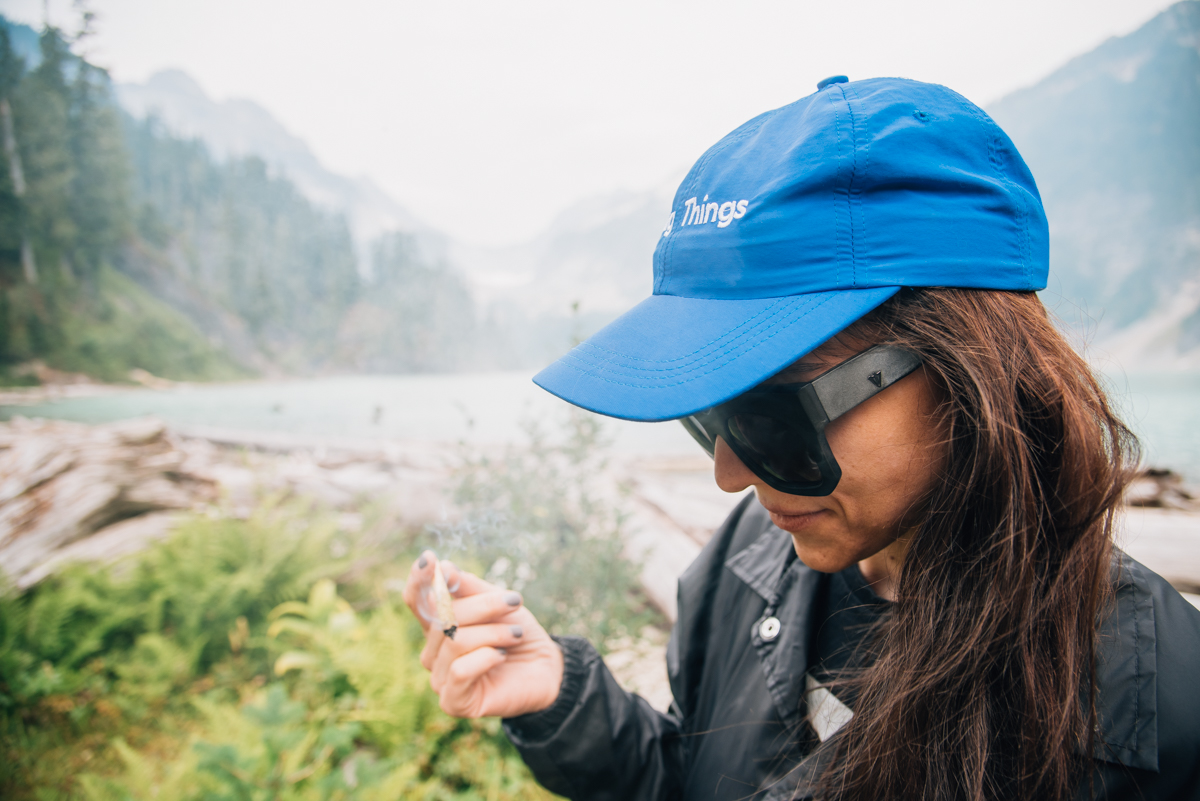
(978,687)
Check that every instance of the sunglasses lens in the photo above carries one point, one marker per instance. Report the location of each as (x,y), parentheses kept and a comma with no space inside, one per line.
(699,433)
(787,449)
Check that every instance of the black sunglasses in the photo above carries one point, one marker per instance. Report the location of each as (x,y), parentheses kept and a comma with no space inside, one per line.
(778,430)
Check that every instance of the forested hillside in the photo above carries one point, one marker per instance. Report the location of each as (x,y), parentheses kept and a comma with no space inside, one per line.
(239,251)
(122,247)
(65,214)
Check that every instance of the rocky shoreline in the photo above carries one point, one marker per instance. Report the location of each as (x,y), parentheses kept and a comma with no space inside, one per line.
(70,491)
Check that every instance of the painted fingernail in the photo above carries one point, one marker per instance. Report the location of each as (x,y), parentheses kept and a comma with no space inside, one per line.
(517,632)
(422,562)
(503,651)
(512,598)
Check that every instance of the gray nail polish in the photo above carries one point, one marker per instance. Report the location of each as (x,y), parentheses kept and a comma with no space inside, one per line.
(503,651)
(422,562)
(517,632)
(512,598)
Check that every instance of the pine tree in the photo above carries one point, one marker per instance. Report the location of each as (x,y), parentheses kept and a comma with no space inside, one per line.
(99,188)
(41,117)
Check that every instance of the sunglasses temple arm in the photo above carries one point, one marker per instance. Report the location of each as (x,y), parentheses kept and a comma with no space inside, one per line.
(860,378)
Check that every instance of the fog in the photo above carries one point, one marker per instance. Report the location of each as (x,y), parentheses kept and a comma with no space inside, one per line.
(486,119)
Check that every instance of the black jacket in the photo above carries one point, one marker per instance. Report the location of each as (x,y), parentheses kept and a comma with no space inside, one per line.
(737,728)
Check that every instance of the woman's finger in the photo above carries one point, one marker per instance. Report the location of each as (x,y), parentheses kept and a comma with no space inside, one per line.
(433,644)
(467,640)
(459,695)
(419,576)
(453,576)
(495,635)
(485,607)
(470,584)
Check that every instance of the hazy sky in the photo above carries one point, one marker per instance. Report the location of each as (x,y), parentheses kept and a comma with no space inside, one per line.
(486,118)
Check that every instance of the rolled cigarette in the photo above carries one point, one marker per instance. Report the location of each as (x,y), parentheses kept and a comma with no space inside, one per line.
(443,602)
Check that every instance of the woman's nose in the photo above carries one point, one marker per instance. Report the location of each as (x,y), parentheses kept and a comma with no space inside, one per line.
(731,474)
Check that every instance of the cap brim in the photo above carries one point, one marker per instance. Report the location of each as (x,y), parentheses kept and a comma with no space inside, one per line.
(672,356)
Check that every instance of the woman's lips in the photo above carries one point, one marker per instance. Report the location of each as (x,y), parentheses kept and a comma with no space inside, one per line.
(794,521)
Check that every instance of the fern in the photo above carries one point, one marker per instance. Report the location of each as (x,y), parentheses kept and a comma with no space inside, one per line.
(224,663)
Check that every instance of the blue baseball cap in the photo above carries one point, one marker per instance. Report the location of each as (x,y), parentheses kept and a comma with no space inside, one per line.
(800,222)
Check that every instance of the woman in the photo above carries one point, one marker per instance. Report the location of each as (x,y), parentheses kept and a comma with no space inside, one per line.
(923,599)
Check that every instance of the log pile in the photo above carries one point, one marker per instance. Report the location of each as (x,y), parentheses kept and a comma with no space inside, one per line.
(1156,488)
(72,492)
(61,482)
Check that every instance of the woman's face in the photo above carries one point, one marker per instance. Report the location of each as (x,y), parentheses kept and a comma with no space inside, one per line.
(889,452)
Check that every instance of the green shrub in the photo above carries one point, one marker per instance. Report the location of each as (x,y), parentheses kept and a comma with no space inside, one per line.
(541,520)
(92,652)
(192,588)
(353,718)
(225,663)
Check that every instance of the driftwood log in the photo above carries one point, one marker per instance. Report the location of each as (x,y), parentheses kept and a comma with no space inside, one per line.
(61,482)
(1156,488)
(73,492)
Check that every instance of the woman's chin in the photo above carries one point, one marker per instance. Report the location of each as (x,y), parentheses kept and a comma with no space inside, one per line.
(822,559)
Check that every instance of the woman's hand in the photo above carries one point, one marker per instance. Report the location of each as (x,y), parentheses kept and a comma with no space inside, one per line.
(500,661)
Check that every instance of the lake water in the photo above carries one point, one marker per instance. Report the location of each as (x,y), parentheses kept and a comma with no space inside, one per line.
(482,408)
(1163,409)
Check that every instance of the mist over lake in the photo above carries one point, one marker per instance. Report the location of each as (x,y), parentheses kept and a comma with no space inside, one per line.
(489,408)
(477,408)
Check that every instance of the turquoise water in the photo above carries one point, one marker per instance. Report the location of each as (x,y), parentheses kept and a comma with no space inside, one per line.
(487,407)
(1163,409)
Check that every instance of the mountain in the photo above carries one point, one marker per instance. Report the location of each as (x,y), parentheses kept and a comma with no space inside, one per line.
(126,247)
(418,287)
(24,43)
(592,263)
(596,252)
(1113,139)
(236,128)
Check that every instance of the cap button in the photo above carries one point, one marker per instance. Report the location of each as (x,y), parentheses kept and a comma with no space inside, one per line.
(832,79)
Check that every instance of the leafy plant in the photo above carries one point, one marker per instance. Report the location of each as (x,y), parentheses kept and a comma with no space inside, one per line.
(224,665)
(353,718)
(92,652)
(541,519)
(192,589)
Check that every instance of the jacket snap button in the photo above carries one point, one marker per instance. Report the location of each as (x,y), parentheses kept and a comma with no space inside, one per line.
(769,628)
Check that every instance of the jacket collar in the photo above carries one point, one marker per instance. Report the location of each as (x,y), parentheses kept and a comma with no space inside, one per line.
(769,567)
(1126,703)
